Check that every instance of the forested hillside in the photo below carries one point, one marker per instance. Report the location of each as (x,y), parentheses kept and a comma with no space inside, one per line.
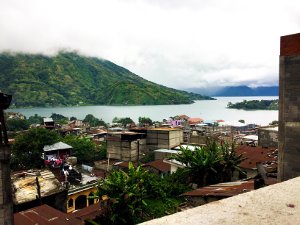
(255,104)
(71,79)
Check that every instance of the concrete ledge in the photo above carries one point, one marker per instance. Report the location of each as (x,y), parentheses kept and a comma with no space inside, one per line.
(275,204)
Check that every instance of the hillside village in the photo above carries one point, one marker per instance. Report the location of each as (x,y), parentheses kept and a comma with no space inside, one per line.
(67,189)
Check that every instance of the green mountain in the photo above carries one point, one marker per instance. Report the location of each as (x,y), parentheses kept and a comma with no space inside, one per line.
(71,79)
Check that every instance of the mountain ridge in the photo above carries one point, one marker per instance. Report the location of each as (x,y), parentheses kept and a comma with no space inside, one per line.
(69,79)
(242,90)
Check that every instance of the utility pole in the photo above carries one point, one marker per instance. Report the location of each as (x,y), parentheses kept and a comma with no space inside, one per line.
(6,204)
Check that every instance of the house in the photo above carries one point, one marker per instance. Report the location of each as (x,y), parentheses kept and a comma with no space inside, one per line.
(174,164)
(159,167)
(49,123)
(56,153)
(194,121)
(81,196)
(163,153)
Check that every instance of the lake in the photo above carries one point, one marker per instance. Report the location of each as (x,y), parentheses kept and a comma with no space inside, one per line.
(208,110)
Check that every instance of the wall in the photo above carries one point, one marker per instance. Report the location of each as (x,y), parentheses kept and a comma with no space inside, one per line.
(164,138)
(289,108)
(268,137)
(73,194)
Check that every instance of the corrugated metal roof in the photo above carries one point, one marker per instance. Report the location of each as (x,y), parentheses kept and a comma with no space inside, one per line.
(45,215)
(90,212)
(166,151)
(223,189)
(163,129)
(159,165)
(48,120)
(255,155)
(57,146)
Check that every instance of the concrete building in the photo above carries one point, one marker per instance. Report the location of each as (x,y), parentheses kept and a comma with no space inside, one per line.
(126,146)
(164,137)
(289,107)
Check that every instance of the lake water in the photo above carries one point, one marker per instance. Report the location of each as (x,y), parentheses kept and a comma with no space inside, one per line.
(208,110)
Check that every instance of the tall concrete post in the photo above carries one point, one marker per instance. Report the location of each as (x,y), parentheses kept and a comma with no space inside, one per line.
(6,204)
(289,108)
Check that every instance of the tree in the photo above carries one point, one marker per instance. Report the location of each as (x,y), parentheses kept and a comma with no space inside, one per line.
(212,163)
(93,121)
(83,148)
(123,120)
(73,118)
(36,119)
(126,193)
(16,124)
(58,118)
(28,148)
(145,121)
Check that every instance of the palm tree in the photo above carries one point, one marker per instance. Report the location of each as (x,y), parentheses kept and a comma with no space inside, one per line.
(212,163)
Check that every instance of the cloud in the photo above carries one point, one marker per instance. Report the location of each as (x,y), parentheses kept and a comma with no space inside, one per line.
(176,43)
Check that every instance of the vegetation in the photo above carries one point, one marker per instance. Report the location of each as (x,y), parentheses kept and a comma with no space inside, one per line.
(145,121)
(124,121)
(93,121)
(17,124)
(255,104)
(36,119)
(131,196)
(209,164)
(70,79)
(28,148)
(58,118)
(84,149)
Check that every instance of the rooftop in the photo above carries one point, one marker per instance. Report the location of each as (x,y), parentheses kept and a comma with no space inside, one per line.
(159,165)
(223,189)
(25,188)
(256,155)
(45,215)
(57,146)
(163,129)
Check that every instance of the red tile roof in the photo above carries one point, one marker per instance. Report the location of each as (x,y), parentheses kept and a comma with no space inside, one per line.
(223,189)
(45,215)
(159,165)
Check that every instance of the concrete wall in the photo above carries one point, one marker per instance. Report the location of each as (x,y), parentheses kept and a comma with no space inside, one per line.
(289,108)
(268,137)
(125,150)
(164,138)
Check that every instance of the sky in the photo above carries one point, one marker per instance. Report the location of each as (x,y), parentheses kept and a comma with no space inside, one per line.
(177,43)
